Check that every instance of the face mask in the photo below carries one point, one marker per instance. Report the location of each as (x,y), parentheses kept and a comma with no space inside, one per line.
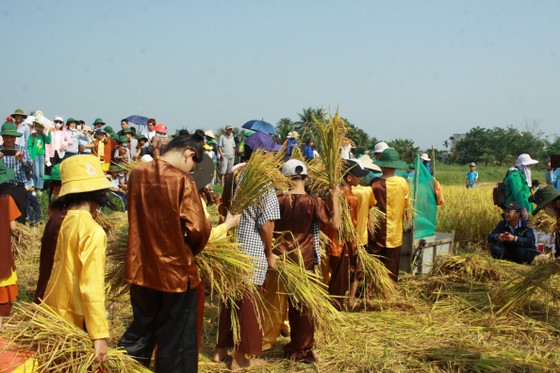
(58,125)
(550,212)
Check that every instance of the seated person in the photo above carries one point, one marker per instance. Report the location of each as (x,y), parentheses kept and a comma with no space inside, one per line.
(513,239)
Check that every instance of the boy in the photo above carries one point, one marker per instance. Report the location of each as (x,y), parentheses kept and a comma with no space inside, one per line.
(472,176)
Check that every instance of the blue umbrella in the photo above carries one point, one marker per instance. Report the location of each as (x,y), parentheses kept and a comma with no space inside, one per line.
(138,119)
(261,126)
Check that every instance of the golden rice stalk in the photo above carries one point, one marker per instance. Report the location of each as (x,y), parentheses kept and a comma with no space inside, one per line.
(473,267)
(544,223)
(117,247)
(112,223)
(25,238)
(409,216)
(517,295)
(260,175)
(377,277)
(129,165)
(305,290)
(326,171)
(375,217)
(59,346)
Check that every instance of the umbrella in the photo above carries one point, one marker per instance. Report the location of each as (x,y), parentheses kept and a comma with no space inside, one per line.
(138,119)
(261,126)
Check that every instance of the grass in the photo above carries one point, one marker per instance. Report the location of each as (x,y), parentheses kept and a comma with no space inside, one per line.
(456,174)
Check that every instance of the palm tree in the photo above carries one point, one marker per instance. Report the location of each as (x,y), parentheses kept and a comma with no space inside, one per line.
(305,124)
(446,144)
(284,126)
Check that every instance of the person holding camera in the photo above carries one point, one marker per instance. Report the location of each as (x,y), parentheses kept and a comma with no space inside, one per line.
(16,157)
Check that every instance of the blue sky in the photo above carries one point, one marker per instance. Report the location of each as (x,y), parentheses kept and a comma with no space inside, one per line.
(397,69)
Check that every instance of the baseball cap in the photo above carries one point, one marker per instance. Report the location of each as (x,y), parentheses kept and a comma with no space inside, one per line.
(512,206)
(354,168)
(294,167)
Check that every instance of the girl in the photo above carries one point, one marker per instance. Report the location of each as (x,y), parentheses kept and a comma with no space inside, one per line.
(8,215)
(36,147)
(75,288)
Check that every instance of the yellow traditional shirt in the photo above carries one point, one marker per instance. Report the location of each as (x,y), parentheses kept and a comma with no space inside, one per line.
(76,288)
(392,198)
(366,200)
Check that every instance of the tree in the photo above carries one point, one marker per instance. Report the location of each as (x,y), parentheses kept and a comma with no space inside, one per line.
(406,148)
(359,137)
(284,126)
(305,126)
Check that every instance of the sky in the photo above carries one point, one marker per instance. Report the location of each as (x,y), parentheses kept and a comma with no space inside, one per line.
(422,70)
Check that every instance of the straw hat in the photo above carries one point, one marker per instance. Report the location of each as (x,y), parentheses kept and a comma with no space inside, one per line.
(6,174)
(210,134)
(19,112)
(81,174)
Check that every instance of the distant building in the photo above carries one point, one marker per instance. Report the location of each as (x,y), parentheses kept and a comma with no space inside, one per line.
(455,138)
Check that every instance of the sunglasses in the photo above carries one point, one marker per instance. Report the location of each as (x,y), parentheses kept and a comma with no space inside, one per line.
(58,121)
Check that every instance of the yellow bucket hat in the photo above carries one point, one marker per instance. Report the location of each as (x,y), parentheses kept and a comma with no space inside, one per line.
(81,174)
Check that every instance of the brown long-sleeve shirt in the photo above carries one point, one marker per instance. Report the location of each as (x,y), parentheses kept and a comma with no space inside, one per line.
(167,228)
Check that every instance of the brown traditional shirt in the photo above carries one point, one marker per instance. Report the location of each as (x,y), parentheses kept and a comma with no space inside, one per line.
(167,228)
(298,215)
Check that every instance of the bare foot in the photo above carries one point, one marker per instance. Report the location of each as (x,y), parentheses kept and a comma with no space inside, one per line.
(240,362)
(219,355)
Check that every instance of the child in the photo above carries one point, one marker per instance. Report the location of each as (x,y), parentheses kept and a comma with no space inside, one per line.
(33,207)
(8,215)
(36,147)
(298,230)
(343,255)
(472,176)
(391,194)
(75,289)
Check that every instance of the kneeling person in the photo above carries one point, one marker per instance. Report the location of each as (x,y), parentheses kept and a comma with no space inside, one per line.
(513,239)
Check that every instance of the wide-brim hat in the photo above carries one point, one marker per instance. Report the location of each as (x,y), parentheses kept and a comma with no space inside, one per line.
(160,128)
(9,129)
(368,163)
(6,174)
(390,159)
(81,174)
(19,112)
(55,173)
(526,160)
(110,131)
(127,130)
(210,134)
(141,137)
(425,157)
(543,197)
(123,140)
(115,168)
(98,121)
(262,140)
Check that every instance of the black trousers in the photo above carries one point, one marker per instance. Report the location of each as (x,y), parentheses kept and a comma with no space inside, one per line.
(165,320)
(19,194)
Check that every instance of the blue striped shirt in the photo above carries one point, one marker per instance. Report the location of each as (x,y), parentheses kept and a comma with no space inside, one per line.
(13,163)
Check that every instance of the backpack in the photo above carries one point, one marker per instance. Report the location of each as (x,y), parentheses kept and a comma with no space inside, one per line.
(499,193)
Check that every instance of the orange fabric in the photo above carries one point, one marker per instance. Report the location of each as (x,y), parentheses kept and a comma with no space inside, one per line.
(336,247)
(8,213)
(8,293)
(13,211)
(439,193)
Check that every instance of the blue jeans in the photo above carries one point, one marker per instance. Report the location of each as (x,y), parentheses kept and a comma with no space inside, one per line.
(515,254)
(33,208)
(38,171)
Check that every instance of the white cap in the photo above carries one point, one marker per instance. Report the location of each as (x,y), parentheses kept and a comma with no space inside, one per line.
(380,147)
(425,157)
(294,167)
(525,160)
(472,164)
(289,135)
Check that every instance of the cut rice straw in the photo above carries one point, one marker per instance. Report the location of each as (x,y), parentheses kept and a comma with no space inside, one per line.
(260,175)
(517,295)
(306,291)
(59,346)
(375,217)
(377,278)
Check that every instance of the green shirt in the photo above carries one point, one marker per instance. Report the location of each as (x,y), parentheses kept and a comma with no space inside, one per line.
(36,144)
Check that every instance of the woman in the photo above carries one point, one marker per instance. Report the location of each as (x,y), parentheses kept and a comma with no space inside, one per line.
(76,136)
(60,140)
(517,184)
(75,288)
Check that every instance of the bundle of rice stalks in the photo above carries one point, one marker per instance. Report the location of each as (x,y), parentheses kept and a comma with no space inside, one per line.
(112,223)
(517,295)
(377,278)
(326,171)
(375,217)
(59,346)
(474,267)
(409,215)
(544,223)
(226,269)
(305,289)
(261,175)
(116,258)
(25,238)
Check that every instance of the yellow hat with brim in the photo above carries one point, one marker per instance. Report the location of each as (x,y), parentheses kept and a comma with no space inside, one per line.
(82,174)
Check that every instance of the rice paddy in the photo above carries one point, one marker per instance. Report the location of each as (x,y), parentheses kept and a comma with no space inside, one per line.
(452,320)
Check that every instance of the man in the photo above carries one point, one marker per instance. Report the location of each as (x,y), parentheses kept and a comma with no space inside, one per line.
(379,148)
(17,158)
(226,149)
(548,198)
(472,176)
(160,263)
(513,239)
(19,116)
(98,124)
(124,126)
(151,132)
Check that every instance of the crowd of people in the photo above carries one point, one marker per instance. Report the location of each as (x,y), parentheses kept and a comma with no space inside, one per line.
(169,225)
